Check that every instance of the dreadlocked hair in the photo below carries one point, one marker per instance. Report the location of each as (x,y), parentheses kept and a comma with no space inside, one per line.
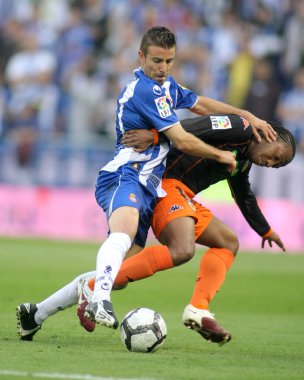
(284,135)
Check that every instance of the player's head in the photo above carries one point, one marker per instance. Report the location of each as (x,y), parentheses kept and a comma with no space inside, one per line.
(275,154)
(157,53)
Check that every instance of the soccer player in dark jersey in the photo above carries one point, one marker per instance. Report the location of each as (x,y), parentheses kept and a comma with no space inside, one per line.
(179,221)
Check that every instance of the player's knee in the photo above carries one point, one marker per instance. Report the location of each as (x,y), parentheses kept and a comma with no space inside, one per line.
(182,253)
(232,243)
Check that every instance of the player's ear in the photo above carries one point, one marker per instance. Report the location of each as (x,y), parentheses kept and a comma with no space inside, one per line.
(141,55)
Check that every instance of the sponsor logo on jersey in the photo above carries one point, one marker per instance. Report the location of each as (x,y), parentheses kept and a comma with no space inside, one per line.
(133,198)
(157,90)
(220,122)
(162,107)
(246,123)
(175,208)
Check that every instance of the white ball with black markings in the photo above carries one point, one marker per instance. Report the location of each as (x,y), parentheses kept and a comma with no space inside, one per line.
(143,330)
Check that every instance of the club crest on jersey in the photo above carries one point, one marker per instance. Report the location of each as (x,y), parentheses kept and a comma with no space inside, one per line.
(162,107)
(246,123)
(175,208)
(220,122)
(133,198)
(157,90)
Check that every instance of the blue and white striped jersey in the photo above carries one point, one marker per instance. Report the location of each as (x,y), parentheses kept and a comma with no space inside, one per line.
(144,104)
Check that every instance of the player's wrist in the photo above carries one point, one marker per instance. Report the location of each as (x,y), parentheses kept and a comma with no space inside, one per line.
(155,136)
(265,236)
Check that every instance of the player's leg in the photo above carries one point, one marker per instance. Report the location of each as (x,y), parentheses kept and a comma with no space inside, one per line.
(211,275)
(173,224)
(215,262)
(123,204)
(31,316)
(179,244)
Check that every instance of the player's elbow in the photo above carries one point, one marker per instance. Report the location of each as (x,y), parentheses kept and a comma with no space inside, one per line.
(182,144)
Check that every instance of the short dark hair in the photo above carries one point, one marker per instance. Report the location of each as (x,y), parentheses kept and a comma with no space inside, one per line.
(284,135)
(157,36)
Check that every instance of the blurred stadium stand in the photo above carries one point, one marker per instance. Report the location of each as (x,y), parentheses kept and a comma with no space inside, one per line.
(63,62)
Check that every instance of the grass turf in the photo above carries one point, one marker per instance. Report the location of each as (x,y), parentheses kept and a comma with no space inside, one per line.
(261,304)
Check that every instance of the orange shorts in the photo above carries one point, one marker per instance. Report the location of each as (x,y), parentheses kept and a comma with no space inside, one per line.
(178,203)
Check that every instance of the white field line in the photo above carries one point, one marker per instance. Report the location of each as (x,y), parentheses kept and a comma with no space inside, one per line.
(71,376)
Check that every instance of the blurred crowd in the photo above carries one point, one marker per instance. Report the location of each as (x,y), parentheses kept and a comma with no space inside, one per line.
(63,63)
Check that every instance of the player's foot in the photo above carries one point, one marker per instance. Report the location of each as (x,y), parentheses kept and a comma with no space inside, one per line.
(102,313)
(204,323)
(84,294)
(26,324)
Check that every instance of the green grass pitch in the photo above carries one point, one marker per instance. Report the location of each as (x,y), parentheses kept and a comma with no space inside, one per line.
(261,304)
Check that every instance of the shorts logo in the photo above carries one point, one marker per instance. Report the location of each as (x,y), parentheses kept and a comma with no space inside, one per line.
(246,123)
(157,90)
(175,208)
(220,122)
(135,165)
(133,198)
(163,107)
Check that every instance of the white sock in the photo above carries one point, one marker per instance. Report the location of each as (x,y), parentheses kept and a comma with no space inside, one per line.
(109,259)
(60,300)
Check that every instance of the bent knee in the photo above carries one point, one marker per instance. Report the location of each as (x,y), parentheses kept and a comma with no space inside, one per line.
(182,254)
(232,243)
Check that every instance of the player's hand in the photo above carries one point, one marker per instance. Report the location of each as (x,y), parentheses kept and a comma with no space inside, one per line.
(228,158)
(261,125)
(274,237)
(139,140)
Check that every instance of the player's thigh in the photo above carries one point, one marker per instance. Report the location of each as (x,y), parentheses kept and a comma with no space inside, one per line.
(178,231)
(124,219)
(218,235)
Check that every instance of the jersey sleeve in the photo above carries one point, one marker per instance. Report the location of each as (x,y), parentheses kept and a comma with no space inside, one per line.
(219,129)
(247,203)
(156,109)
(185,97)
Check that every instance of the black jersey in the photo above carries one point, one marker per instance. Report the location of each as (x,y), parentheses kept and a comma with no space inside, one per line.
(227,132)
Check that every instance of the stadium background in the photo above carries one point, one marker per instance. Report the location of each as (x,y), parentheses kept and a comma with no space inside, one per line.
(62,64)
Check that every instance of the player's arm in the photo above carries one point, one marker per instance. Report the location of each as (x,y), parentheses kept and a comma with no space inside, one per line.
(205,105)
(248,205)
(235,131)
(140,139)
(190,144)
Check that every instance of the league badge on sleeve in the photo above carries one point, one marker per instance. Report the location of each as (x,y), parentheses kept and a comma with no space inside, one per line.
(162,107)
(220,122)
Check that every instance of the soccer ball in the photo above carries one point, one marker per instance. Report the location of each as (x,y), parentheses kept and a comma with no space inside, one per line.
(143,330)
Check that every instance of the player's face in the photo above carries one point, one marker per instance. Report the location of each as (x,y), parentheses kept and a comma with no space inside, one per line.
(157,63)
(271,155)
